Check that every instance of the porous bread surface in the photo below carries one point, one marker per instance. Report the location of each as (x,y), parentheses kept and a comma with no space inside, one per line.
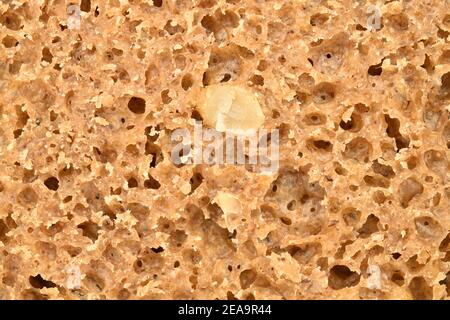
(92,207)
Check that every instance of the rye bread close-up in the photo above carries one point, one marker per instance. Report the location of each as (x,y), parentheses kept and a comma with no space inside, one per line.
(225,149)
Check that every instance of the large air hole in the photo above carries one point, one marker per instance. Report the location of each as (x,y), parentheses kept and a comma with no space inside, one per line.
(136,105)
(409,189)
(369,227)
(358,149)
(52,183)
(38,282)
(324,92)
(155,151)
(85,5)
(186,82)
(10,20)
(132,183)
(354,124)
(384,170)
(420,289)
(151,183)
(246,278)
(9,41)
(321,145)
(376,69)
(90,230)
(393,131)
(341,277)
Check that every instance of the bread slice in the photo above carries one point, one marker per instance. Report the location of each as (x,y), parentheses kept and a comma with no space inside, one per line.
(356,96)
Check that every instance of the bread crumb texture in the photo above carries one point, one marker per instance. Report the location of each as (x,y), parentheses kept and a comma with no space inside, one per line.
(92,207)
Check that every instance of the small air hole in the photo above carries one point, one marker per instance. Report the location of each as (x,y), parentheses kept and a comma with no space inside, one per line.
(291,205)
